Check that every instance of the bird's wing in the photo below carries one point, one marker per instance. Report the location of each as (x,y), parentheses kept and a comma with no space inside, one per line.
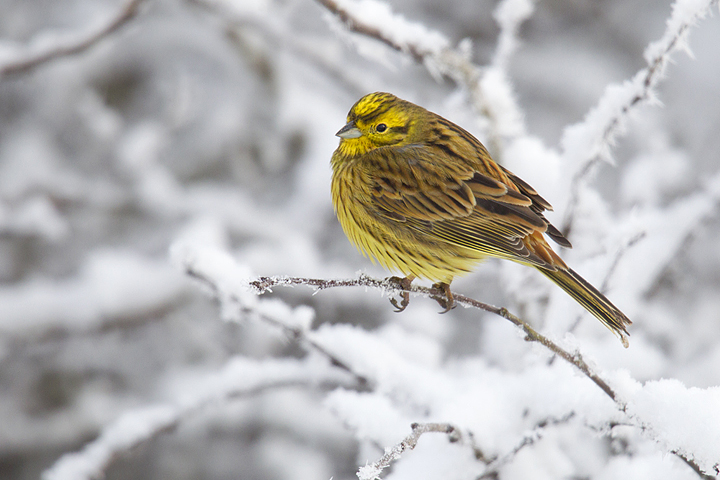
(453,202)
(539,205)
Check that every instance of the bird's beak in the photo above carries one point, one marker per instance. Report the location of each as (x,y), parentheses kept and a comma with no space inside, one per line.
(349,131)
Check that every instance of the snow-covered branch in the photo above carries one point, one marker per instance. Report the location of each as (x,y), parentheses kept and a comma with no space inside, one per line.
(228,282)
(240,378)
(590,141)
(490,91)
(207,125)
(529,438)
(52,47)
(372,471)
(235,289)
(264,284)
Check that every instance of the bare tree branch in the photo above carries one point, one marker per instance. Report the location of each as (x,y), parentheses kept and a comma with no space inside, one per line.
(74,46)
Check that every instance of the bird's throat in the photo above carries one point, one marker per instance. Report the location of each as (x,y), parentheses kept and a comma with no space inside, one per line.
(354,147)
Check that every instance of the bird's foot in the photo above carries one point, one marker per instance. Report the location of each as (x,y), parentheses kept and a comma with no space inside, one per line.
(448,303)
(403,283)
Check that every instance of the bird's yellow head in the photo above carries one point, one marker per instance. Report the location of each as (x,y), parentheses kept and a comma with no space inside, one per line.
(376,120)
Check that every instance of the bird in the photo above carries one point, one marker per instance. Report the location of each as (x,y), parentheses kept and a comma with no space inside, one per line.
(422,196)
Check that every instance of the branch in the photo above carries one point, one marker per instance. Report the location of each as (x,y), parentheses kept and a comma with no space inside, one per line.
(215,270)
(240,378)
(264,284)
(696,468)
(372,471)
(432,49)
(71,45)
(534,435)
(510,15)
(590,141)
(292,332)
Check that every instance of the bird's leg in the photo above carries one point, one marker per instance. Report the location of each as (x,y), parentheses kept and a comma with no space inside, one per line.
(403,283)
(448,303)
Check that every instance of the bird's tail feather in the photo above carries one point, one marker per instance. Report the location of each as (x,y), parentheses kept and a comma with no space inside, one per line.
(593,301)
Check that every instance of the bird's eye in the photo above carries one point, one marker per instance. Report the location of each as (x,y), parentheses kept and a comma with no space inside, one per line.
(381,127)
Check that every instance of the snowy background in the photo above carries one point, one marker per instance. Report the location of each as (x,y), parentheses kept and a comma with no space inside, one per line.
(196,137)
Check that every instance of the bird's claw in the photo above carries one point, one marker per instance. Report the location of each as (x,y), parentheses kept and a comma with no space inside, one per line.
(448,303)
(404,284)
(399,307)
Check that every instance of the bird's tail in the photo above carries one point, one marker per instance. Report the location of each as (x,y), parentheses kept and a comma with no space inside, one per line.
(593,301)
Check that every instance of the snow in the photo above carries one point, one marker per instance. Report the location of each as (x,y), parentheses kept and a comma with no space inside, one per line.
(239,376)
(689,418)
(148,182)
(685,13)
(501,101)
(110,285)
(122,435)
(509,15)
(378,15)
(35,217)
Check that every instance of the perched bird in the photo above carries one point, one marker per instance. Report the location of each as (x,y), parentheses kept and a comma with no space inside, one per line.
(422,196)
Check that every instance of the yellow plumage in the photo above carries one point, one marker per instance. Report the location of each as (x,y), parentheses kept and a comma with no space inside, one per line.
(421,195)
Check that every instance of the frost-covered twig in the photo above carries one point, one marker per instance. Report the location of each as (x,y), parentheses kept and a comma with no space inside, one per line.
(350,14)
(586,143)
(264,284)
(493,468)
(375,19)
(71,44)
(509,14)
(372,471)
(231,284)
(293,332)
(610,271)
(696,468)
(240,378)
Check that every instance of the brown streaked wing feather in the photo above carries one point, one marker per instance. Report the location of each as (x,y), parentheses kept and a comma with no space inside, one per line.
(539,205)
(469,210)
(484,235)
(557,236)
(524,187)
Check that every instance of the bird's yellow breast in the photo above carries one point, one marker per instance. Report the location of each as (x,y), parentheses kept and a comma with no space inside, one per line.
(388,241)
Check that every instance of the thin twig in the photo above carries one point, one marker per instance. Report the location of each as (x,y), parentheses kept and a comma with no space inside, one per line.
(650,78)
(528,439)
(264,284)
(354,25)
(372,471)
(452,62)
(696,467)
(33,60)
(295,334)
(123,435)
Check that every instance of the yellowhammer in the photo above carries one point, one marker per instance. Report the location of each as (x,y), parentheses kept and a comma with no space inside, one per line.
(422,196)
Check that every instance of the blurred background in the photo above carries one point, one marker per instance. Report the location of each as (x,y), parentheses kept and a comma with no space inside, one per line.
(215,122)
